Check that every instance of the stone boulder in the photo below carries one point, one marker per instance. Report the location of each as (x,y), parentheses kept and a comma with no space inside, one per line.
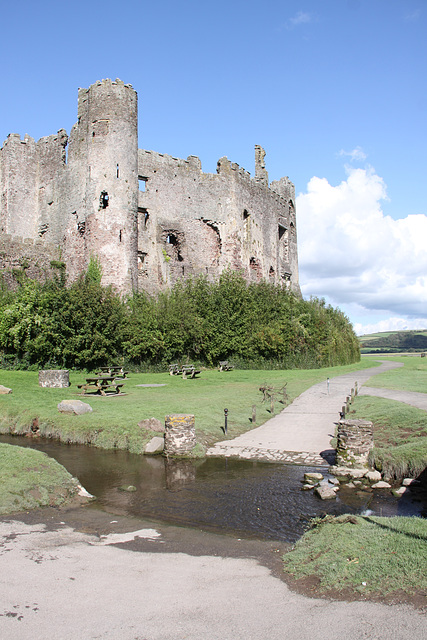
(398,493)
(326,491)
(373,476)
(152,424)
(381,485)
(77,407)
(307,487)
(313,478)
(348,472)
(155,446)
(406,482)
(4,390)
(54,378)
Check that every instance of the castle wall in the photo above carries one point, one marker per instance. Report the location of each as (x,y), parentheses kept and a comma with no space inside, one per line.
(190,222)
(150,219)
(33,257)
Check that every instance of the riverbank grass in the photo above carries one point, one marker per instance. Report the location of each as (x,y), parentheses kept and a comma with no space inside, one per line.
(355,556)
(30,479)
(400,436)
(114,420)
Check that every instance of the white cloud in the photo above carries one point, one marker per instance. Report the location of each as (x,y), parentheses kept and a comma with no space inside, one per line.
(391,324)
(351,253)
(411,17)
(300,18)
(356,155)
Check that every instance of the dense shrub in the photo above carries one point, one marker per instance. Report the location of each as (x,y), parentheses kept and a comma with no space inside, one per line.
(85,325)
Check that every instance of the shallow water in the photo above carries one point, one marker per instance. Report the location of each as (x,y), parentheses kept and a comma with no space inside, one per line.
(248,499)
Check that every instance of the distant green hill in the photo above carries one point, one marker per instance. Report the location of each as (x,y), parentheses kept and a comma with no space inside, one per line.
(394,342)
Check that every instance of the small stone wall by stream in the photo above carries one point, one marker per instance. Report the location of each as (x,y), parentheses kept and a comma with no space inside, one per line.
(180,434)
(355,439)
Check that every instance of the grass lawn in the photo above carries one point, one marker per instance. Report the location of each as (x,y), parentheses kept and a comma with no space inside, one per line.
(114,420)
(349,556)
(30,479)
(400,435)
(411,377)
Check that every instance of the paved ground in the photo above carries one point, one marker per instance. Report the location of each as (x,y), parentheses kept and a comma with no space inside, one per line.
(415,399)
(302,432)
(56,582)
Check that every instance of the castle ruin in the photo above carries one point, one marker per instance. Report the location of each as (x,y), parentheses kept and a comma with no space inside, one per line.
(149,218)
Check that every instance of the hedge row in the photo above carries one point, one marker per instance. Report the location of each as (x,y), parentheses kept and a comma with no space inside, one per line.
(86,325)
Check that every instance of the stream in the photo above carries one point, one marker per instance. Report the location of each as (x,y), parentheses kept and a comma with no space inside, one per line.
(248,499)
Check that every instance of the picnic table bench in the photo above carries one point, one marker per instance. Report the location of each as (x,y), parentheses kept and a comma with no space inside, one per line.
(174,369)
(101,385)
(224,365)
(190,371)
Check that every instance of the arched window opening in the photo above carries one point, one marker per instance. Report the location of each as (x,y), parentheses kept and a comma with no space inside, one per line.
(282,231)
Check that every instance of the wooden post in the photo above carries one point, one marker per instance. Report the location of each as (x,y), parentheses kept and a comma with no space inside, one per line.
(254,414)
(272,403)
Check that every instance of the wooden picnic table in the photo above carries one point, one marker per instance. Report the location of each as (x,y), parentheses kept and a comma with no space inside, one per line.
(101,385)
(189,371)
(117,371)
(224,365)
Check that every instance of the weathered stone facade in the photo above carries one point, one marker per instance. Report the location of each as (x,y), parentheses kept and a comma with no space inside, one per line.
(149,218)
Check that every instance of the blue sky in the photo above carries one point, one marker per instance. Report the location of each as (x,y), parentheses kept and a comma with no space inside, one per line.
(334,90)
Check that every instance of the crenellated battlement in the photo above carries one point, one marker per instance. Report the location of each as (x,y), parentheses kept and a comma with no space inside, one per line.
(149,217)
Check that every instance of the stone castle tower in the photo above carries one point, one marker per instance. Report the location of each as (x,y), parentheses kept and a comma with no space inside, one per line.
(150,219)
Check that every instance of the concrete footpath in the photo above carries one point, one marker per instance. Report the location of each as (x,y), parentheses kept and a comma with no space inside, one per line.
(56,582)
(302,432)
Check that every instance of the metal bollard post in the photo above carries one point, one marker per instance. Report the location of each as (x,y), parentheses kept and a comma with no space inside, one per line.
(225,420)
(253,413)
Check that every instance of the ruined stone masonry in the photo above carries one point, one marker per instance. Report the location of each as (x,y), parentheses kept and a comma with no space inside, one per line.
(149,218)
